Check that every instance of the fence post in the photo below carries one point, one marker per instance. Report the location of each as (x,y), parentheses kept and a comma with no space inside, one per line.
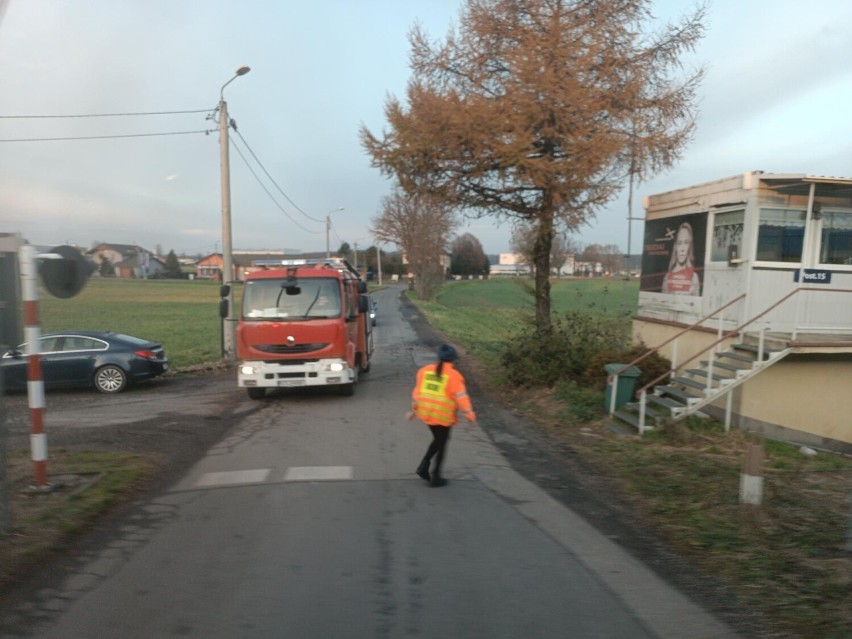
(35,383)
(751,479)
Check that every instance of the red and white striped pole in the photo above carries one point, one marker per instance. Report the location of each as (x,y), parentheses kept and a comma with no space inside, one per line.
(35,383)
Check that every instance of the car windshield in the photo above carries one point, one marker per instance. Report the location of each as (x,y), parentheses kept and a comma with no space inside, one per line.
(310,298)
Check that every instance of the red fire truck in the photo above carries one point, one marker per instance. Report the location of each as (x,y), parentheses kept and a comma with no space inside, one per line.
(303,323)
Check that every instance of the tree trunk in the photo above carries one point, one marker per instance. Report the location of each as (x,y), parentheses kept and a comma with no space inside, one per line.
(427,281)
(541,261)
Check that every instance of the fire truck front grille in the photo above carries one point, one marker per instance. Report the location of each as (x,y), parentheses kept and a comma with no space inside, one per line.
(284,349)
(290,362)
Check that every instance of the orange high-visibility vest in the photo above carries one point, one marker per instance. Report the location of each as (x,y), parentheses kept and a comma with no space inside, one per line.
(435,399)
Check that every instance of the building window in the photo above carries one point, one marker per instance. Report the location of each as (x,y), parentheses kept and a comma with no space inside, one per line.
(727,232)
(836,247)
(780,236)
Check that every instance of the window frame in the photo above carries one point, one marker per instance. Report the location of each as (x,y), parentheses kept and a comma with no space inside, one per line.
(824,214)
(802,212)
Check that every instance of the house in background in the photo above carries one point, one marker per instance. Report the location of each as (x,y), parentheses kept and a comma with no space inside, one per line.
(509,264)
(746,286)
(127,260)
(210,267)
(516,264)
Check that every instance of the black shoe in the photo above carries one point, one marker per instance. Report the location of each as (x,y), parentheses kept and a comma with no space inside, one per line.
(437,482)
(424,473)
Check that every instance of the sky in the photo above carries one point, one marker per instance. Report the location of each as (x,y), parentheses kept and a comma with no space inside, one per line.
(776,98)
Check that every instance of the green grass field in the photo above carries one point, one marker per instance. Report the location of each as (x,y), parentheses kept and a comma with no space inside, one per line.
(603,295)
(183,315)
(482,315)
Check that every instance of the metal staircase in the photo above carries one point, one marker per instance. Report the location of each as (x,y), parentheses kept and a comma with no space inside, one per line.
(693,384)
(689,389)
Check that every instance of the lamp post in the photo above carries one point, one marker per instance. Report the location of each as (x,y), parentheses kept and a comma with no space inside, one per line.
(230,330)
(328,230)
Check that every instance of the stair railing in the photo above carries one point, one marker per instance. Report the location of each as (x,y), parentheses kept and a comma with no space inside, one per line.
(732,333)
(612,379)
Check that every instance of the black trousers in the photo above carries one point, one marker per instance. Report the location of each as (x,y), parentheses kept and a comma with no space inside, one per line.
(437,449)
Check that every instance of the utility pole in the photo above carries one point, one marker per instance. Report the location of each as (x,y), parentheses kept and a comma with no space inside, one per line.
(230,328)
(327,232)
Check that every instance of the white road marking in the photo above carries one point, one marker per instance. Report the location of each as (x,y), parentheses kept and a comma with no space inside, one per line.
(233,477)
(318,473)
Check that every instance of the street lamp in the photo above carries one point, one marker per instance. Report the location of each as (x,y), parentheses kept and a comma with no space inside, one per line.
(229,335)
(328,229)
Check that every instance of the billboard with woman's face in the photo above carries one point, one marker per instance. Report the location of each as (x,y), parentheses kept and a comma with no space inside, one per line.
(673,255)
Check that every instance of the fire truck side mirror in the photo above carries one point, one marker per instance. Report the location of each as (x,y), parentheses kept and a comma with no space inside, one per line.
(224,290)
(362,287)
(363,304)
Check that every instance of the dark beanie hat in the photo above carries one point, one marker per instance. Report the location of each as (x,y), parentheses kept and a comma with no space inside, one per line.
(447,353)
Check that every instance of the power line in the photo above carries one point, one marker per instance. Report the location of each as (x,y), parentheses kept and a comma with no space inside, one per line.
(99,115)
(107,137)
(273,179)
(271,197)
(334,230)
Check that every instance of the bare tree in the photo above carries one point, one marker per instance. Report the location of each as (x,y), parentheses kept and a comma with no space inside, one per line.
(611,258)
(522,242)
(421,226)
(561,247)
(607,256)
(537,110)
(560,250)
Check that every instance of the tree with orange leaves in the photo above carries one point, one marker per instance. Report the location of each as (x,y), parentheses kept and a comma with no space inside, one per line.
(538,110)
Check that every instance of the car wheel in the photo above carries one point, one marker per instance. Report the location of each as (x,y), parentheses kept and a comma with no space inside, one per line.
(256,393)
(110,379)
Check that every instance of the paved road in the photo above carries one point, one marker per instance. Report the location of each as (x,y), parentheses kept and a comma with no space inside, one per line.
(306,520)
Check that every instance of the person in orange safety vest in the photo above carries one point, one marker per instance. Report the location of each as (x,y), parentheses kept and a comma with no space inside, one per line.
(438,395)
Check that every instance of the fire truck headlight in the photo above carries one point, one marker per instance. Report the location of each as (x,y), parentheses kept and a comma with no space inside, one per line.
(336,367)
(247,370)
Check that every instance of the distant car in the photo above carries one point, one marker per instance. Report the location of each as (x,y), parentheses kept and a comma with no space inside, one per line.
(108,361)
(374,310)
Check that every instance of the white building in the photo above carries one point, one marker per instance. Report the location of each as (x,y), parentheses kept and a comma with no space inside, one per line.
(757,264)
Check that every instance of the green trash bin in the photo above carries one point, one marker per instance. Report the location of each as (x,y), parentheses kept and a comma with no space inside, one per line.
(626,385)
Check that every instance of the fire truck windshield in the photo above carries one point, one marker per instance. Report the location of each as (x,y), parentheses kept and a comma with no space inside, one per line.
(274,299)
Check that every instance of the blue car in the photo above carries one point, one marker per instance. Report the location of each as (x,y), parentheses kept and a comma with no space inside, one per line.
(108,361)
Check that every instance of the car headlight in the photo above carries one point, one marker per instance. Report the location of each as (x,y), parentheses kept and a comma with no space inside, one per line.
(247,370)
(336,367)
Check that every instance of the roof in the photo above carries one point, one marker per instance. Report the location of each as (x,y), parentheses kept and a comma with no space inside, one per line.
(800,184)
(124,249)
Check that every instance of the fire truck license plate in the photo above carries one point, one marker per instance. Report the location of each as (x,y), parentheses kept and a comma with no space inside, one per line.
(291,382)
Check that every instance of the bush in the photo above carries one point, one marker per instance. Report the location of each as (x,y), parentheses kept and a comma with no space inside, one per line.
(542,357)
(650,368)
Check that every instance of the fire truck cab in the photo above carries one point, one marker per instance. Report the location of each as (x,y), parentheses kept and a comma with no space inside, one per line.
(303,323)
